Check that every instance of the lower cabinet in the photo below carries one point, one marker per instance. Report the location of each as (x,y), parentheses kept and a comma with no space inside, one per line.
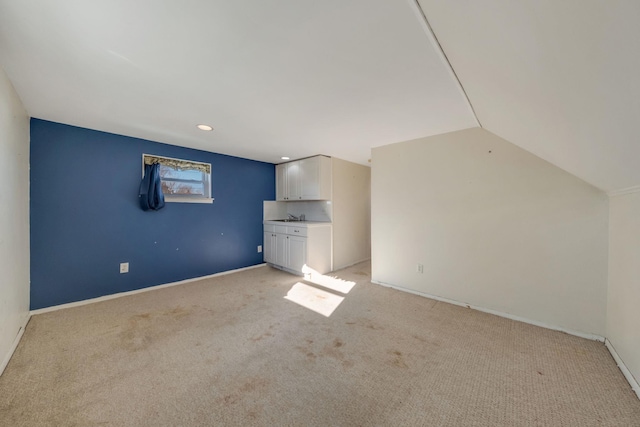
(297,248)
(269,247)
(282,249)
(296,253)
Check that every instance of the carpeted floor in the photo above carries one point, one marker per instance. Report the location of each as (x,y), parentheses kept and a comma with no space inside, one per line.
(234,351)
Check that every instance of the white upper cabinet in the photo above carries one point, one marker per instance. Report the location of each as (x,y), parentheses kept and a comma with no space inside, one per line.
(293,181)
(281,181)
(306,179)
(315,180)
(288,181)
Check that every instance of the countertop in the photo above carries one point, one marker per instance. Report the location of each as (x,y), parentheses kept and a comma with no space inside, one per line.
(295,223)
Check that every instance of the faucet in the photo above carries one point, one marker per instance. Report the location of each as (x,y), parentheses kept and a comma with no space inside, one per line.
(293,217)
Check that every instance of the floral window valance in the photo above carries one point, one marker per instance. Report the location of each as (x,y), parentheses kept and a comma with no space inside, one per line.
(177,163)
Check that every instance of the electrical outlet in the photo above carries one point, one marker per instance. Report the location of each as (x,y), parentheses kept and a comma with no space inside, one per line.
(259,248)
(124,267)
(420,268)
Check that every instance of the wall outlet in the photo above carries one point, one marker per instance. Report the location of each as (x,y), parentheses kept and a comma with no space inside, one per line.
(420,268)
(124,267)
(259,248)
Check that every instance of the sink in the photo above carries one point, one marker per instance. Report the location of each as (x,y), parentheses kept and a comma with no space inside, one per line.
(286,220)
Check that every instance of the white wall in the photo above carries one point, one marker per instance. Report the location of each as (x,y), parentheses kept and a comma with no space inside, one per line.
(351,213)
(494,226)
(14,217)
(623,310)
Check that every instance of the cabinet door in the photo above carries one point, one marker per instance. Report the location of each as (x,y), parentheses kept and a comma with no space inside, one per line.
(266,247)
(293,181)
(315,178)
(309,178)
(281,249)
(269,248)
(297,252)
(281,182)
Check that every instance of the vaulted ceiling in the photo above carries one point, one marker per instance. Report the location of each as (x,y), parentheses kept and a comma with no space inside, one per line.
(301,77)
(559,78)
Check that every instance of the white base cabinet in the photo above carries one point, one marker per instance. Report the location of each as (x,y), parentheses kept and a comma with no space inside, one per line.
(300,248)
(269,247)
(296,253)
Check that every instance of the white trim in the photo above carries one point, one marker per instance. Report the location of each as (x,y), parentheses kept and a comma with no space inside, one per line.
(622,192)
(171,199)
(424,23)
(16,341)
(351,264)
(588,336)
(138,291)
(625,371)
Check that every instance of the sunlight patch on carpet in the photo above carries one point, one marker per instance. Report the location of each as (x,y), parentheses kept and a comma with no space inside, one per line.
(334,283)
(314,299)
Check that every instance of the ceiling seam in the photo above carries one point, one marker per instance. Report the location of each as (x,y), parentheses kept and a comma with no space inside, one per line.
(436,43)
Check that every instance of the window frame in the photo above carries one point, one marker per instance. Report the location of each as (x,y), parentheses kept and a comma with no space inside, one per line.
(185,198)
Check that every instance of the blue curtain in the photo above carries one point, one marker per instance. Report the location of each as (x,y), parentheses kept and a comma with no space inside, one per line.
(151,197)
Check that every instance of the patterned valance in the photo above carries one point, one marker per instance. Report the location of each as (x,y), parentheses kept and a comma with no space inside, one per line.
(177,163)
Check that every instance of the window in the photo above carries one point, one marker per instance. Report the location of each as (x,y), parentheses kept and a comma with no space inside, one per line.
(182,180)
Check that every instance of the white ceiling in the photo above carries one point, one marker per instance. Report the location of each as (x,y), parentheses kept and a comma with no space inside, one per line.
(558,78)
(337,77)
(283,77)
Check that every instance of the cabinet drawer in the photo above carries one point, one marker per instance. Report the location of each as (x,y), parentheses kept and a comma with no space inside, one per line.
(297,231)
(280,229)
(269,228)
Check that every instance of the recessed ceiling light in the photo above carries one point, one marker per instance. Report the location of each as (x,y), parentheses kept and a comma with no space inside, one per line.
(204,127)
(285,158)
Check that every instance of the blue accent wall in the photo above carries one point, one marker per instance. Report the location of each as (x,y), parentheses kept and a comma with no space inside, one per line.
(86,220)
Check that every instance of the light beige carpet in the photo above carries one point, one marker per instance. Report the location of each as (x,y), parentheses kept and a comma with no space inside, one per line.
(233,351)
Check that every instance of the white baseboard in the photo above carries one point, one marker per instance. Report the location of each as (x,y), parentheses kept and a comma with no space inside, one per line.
(137,291)
(16,341)
(351,264)
(625,371)
(588,336)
